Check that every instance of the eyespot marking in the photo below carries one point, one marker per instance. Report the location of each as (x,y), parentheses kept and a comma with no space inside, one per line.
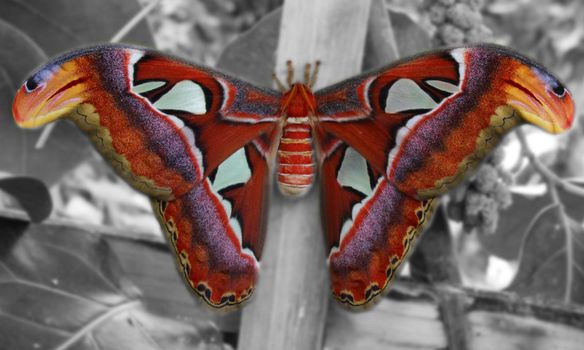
(40,78)
(551,82)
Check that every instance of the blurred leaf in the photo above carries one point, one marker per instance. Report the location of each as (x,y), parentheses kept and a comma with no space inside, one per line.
(32,195)
(543,270)
(507,240)
(64,288)
(411,38)
(252,56)
(381,43)
(545,29)
(18,55)
(30,29)
(60,25)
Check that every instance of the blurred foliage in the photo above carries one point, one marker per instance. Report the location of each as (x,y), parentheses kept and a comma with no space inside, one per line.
(32,31)
(551,261)
(30,194)
(241,56)
(507,242)
(199,30)
(546,250)
(457,22)
(478,201)
(93,193)
(552,31)
(63,287)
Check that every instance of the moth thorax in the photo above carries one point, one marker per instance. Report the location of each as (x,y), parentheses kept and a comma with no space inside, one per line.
(295,158)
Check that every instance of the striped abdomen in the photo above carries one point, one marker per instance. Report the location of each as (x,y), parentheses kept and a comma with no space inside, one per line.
(295,159)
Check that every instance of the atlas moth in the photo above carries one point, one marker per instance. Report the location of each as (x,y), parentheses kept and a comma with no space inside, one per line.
(203,145)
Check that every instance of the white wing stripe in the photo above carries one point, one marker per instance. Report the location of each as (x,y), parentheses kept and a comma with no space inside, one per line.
(184,96)
(353,172)
(406,95)
(234,170)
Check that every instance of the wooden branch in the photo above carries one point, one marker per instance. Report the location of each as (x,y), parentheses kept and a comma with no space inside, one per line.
(290,303)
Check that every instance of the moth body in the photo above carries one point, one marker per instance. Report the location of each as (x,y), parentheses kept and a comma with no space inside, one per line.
(296,151)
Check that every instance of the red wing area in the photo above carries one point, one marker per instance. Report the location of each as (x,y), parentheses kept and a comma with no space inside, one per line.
(427,121)
(369,226)
(416,128)
(376,244)
(250,200)
(195,140)
(218,228)
(224,113)
(164,125)
(337,202)
(355,110)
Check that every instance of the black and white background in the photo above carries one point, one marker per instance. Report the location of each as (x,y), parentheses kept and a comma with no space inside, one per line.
(502,264)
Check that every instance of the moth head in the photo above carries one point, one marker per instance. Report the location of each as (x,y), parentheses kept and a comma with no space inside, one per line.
(539,97)
(52,92)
